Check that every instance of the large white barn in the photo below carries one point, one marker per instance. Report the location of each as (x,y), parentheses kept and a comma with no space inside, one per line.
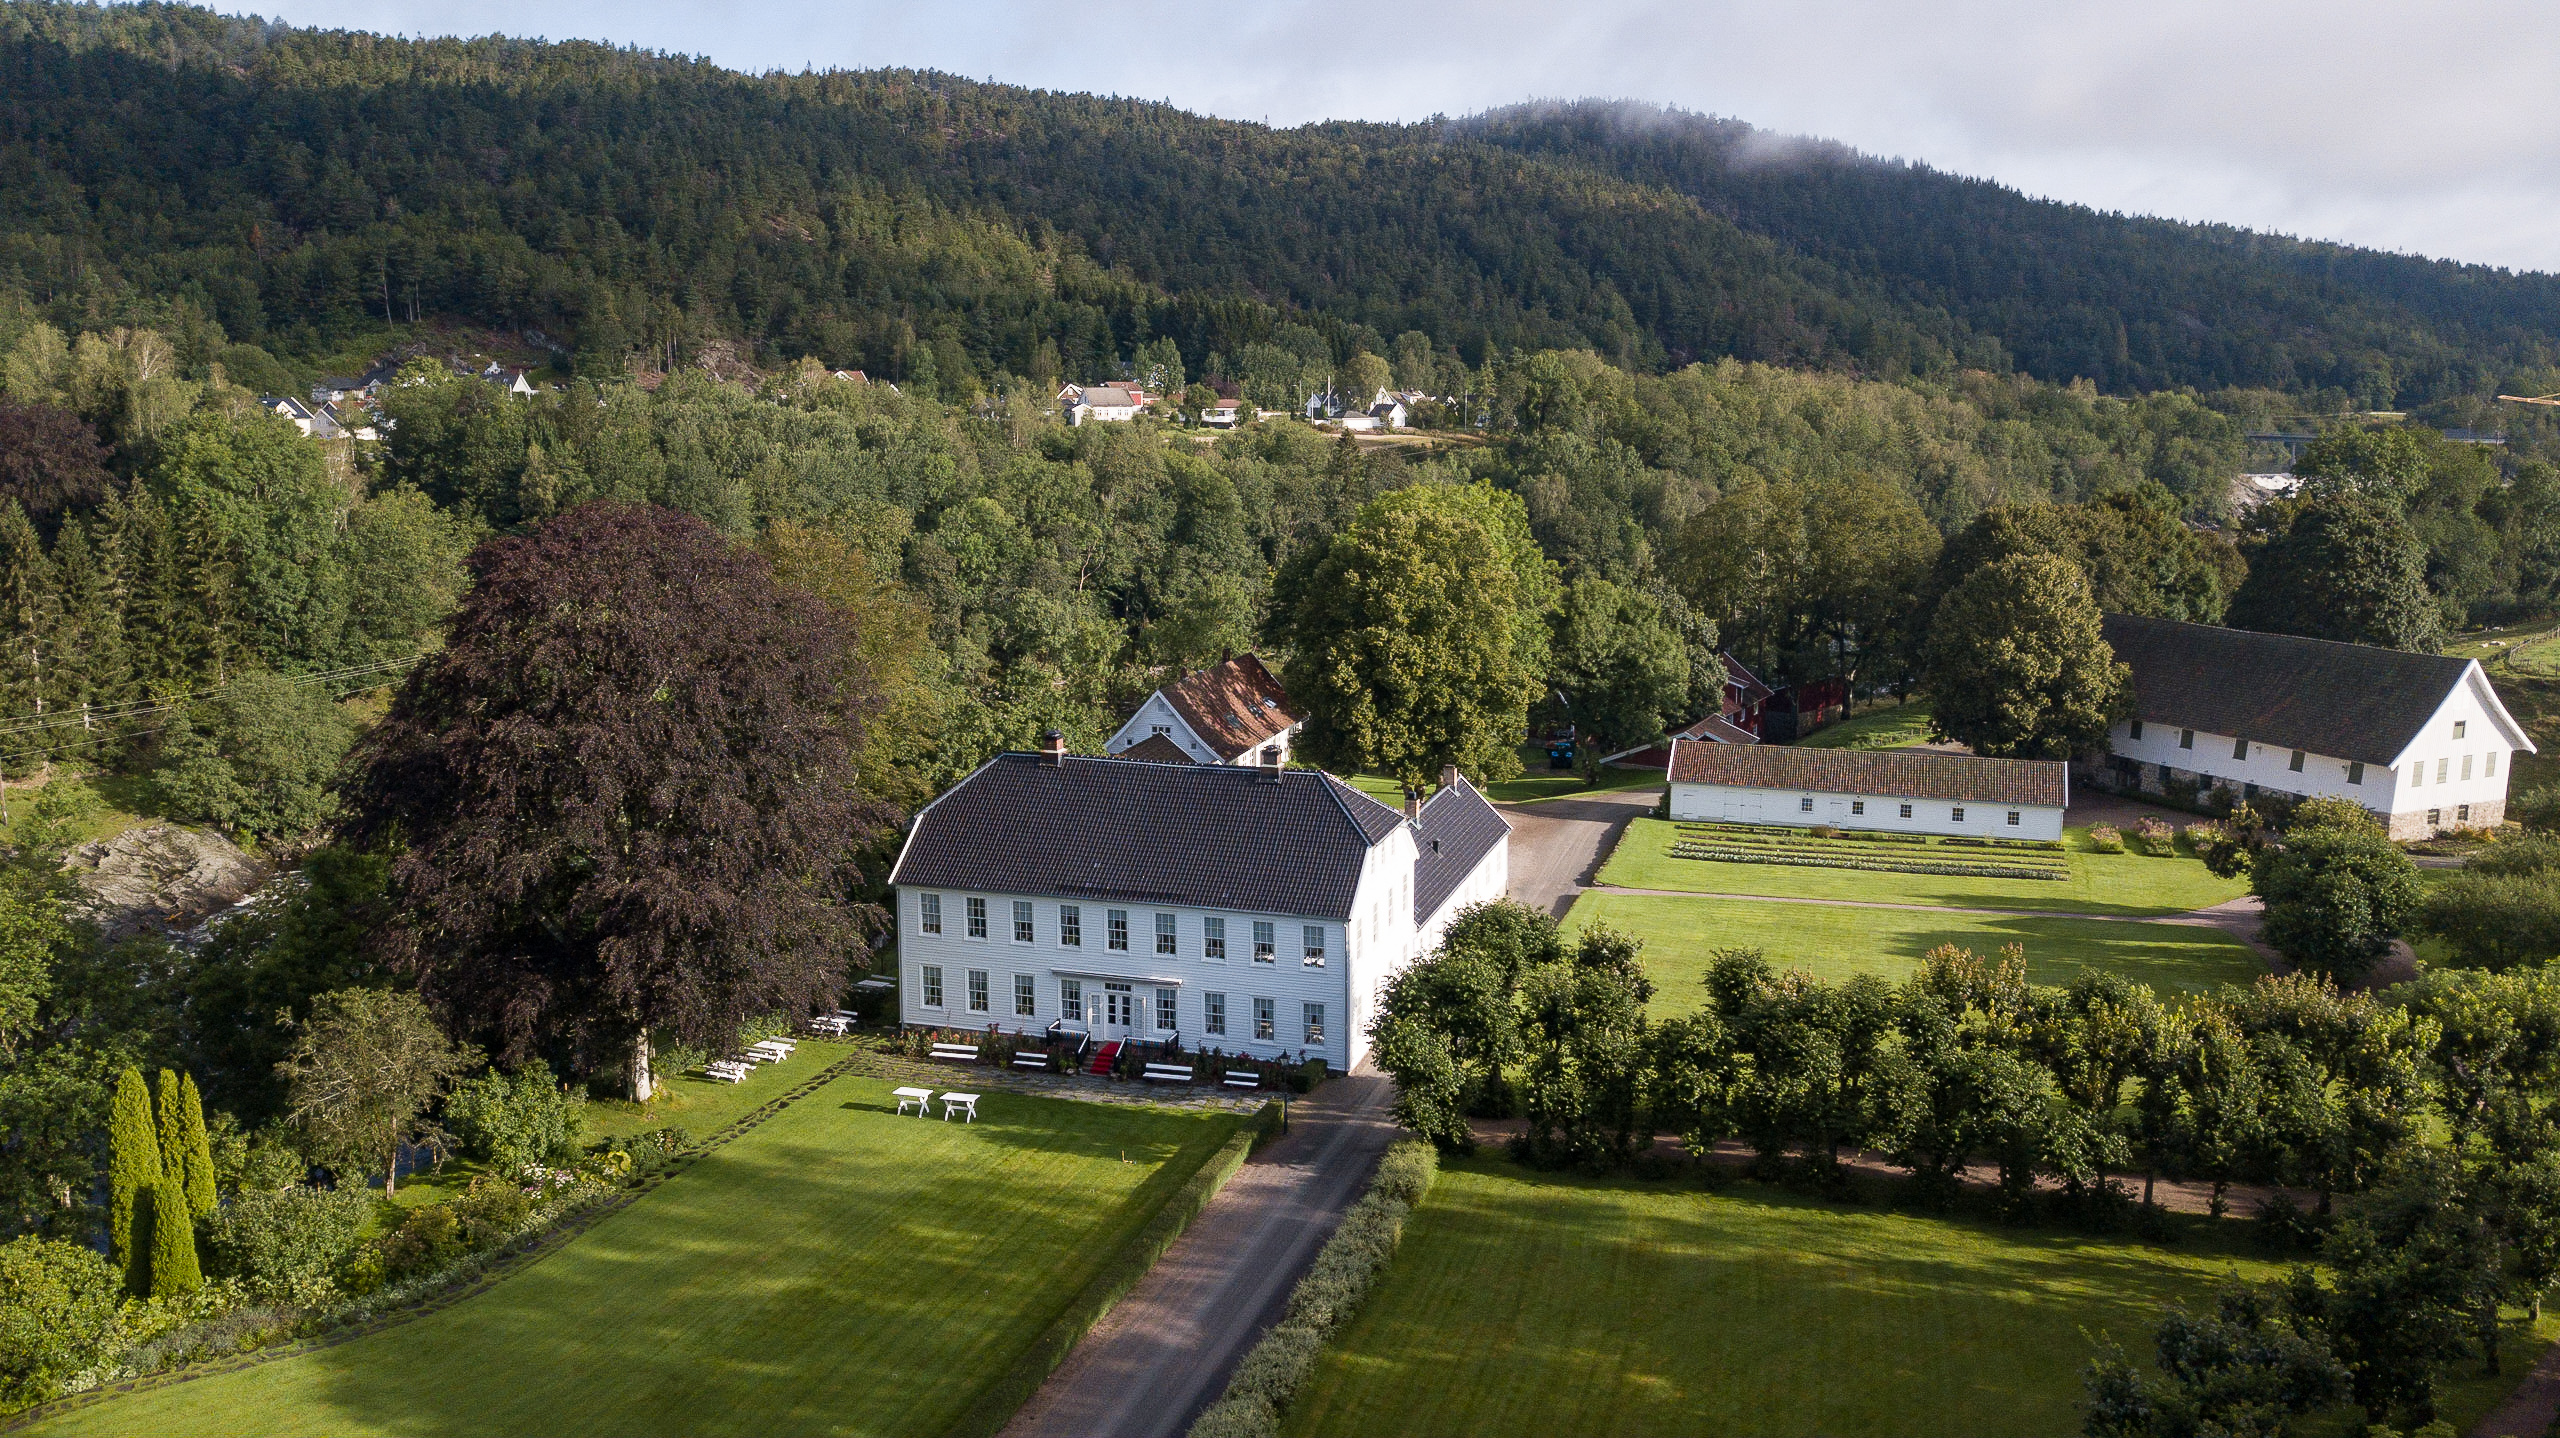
(1256,909)
(1904,790)
(2420,740)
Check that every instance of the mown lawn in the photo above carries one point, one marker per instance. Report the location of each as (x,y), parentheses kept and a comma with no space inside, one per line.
(1898,727)
(1833,942)
(836,1270)
(1536,781)
(1541,1304)
(2099,884)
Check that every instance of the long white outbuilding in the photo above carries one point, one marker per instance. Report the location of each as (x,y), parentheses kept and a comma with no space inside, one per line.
(1906,790)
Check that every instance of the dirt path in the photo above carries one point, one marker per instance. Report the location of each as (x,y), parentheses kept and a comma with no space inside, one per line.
(2533,1406)
(1164,1352)
(1557,844)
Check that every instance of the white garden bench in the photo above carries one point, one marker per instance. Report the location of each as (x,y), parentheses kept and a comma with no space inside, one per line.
(726,1070)
(832,1025)
(1243,1078)
(779,1048)
(922,1098)
(1031,1059)
(1169,1073)
(957,1053)
(965,1104)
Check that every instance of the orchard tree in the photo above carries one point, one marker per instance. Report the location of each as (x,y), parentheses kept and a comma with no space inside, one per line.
(1418,635)
(625,793)
(2339,565)
(2015,665)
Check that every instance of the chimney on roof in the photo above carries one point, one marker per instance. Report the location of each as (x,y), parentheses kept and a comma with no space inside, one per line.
(1053,747)
(1269,764)
(1412,804)
(1448,776)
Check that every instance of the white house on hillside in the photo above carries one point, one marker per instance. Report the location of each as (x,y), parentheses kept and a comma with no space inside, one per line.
(1104,404)
(1255,909)
(1231,713)
(1907,790)
(2420,740)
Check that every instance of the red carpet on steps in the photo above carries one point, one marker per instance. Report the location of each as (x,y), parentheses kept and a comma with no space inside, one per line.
(1102,1058)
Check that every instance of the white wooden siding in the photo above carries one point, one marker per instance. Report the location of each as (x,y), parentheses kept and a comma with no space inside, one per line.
(1733,803)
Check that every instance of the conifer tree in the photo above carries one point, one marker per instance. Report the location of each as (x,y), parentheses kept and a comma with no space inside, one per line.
(30,614)
(133,1171)
(169,1124)
(197,1145)
(92,667)
(142,568)
(174,1269)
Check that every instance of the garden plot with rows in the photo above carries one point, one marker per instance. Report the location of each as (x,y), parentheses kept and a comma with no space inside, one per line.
(1826,848)
(2074,876)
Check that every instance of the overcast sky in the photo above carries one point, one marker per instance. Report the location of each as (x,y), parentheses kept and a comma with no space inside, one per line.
(2428,128)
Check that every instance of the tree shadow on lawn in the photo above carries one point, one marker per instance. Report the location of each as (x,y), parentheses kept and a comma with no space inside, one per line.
(1722,1310)
(821,1280)
(2165,956)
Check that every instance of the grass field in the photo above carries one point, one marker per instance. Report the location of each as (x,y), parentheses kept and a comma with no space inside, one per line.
(1898,727)
(2099,884)
(1833,942)
(1539,1304)
(836,1270)
(1536,781)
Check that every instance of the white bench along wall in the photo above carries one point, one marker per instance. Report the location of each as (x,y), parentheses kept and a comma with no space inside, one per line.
(1730,803)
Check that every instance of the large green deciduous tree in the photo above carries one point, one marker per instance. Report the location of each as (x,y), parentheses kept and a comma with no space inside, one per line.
(2337,894)
(626,795)
(2015,665)
(259,756)
(2339,566)
(1418,636)
(1622,667)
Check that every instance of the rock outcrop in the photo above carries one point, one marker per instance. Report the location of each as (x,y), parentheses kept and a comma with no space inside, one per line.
(161,880)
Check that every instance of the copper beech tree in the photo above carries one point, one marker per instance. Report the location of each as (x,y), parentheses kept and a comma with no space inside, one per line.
(622,795)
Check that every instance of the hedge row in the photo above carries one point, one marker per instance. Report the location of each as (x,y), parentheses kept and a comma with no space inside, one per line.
(1324,1300)
(1876,866)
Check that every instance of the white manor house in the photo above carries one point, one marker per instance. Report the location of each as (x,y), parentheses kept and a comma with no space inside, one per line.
(1251,908)
(2420,740)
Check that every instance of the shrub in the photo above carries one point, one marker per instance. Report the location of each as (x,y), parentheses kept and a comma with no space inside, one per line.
(2336,897)
(514,1121)
(2538,811)
(2496,920)
(2106,839)
(2152,836)
(426,1240)
(1344,1271)
(57,1313)
(488,1212)
(284,1245)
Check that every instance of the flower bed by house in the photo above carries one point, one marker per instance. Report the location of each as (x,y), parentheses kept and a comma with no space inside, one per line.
(1812,856)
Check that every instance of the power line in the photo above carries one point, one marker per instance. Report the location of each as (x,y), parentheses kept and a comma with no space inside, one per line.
(342,681)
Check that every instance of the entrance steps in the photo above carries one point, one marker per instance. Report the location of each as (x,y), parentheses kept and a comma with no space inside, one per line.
(1103,1058)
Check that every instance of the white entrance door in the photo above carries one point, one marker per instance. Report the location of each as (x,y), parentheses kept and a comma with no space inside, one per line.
(1119,1010)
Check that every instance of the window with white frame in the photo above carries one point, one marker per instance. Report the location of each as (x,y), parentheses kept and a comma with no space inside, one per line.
(977,991)
(1314,1014)
(2013,818)
(1266,947)
(1906,811)
(1022,921)
(1115,929)
(1857,806)
(1804,804)
(1213,1013)
(977,917)
(1266,1019)
(1071,1000)
(1026,997)
(929,913)
(1312,938)
(932,986)
(1957,814)
(1164,934)
(1213,940)
(2442,765)
(1071,925)
(1168,1012)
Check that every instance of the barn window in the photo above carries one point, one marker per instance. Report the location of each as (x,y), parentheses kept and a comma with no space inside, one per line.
(2013,818)
(1957,814)
(2462,813)
(1857,806)
(2466,766)
(1805,804)
(2489,765)
(2458,726)
(2434,817)
(2239,748)
(1906,811)
(2296,765)
(2441,766)
(2355,771)
(2186,738)
(2134,732)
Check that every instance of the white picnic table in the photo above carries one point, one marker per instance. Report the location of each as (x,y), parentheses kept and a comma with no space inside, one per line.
(922,1098)
(966,1103)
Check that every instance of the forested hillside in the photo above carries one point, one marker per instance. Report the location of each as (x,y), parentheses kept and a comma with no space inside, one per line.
(300,186)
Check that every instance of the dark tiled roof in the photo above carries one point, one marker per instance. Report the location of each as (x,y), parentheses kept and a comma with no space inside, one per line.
(1890,773)
(1198,834)
(2348,701)
(1232,706)
(1458,829)
(1157,749)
